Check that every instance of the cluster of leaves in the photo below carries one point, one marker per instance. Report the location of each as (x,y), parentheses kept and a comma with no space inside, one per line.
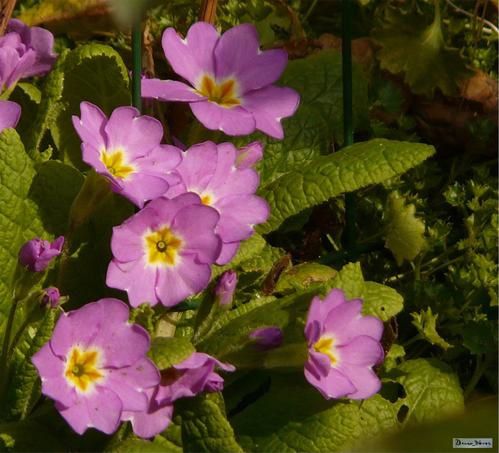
(425,257)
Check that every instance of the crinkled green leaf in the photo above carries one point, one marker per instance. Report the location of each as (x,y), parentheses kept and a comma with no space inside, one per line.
(432,390)
(167,352)
(57,10)
(24,385)
(28,435)
(404,231)
(16,173)
(318,123)
(28,96)
(293,417)
(418,50)
(347,170)
(94,73)
(205,426)
(426,323)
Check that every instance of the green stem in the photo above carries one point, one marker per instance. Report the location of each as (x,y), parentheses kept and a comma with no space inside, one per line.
(5,346)
(480,367)
(310,10)
(137,63)
(349,238)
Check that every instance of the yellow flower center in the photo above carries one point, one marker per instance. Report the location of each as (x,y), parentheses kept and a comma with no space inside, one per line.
(325,346)
(162,247)
(116,164)
(223,93)
(206,199)
(82,368)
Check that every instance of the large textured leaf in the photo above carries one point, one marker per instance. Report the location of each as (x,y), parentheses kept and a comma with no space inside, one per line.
(59,10)
(416,49)
(16,172)
(318,123)
(432,390)
(167,352)
(205,427)
(347,170)
(93,73)
(294,417)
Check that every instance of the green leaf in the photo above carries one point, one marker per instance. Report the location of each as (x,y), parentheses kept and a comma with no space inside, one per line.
(94,73)
(347,170)
(28,435)
(48,108)
(303,275)
(480,336)
(54,188)
(28,96)
(318,123)
(24,384)
(379,300)
(426,323)
(205,426)
(292,416)
(416,49)
(16,172)
(404,232)
(166,352)
(432,390)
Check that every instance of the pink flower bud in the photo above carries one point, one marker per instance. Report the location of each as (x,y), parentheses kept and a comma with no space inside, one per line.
(37,254)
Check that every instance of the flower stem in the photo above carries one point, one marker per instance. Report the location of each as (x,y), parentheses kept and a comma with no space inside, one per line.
(137,63)
(5,346)
(349,236)
(480,367)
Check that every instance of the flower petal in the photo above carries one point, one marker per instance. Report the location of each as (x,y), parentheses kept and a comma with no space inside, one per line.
(193,56)
(364,379)
(169,90)
(362,350)
(104,410)
(232,121)
(10,112)
(269,106)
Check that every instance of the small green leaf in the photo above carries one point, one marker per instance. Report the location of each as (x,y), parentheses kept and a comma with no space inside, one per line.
(416,49)
(166,352)
(404,232)
(426,323)
(205,427)
(480,336)
(347,170)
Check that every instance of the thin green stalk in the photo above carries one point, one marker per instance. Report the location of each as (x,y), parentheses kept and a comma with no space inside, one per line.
(5,346)
(480,367)
(349,236)
(137,63)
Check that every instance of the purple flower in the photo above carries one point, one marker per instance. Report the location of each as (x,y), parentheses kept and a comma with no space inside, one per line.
(343,347)
(24,52)
(226,287)
(164,252)
(194,375)
(230,80)
(267,337)
(37,254)
(127,150)
(210,171)
(10,112)
(51,297)
(95,366)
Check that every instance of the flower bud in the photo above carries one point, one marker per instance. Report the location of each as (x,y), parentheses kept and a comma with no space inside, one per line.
(226,286)
(267,337)
(36,254)
(51,297)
